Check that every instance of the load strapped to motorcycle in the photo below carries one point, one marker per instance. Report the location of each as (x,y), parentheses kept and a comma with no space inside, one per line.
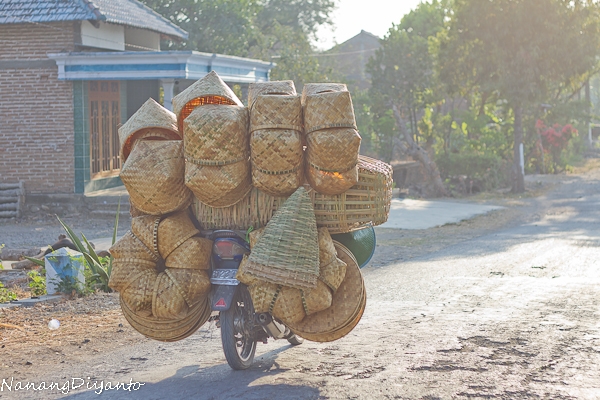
(258,216)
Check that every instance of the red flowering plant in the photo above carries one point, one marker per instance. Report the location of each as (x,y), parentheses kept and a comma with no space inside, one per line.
(555,139)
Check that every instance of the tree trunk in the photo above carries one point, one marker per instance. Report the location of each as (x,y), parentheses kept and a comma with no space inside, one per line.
(518,184)
(419,154)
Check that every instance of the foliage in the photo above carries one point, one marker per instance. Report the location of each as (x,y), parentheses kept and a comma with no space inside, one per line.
(487,170)
(278,30)
(37,283)
(554,140)
(1,247)
(6,295)
(524,50)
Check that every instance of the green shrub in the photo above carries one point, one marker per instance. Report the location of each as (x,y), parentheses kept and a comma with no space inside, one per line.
(6,295)
(37,283)
(488,169)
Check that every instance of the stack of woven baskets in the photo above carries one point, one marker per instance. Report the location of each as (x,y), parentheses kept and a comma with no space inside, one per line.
(283,159)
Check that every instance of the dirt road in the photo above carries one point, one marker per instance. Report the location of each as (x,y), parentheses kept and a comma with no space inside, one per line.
(463,312)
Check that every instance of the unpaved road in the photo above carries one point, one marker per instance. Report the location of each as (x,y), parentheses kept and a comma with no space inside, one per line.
(509,313)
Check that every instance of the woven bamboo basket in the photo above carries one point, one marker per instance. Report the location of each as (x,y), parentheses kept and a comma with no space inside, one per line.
(367,202)
(332,270)
(194,253)
(173,231)
(217,154)
(209,90)
(328,110)
(332,142)
(288,251)
(347,306)
(131,257)
(176,290)
(162,164)
(276,144)
(311,89)
(271,87)
(150,121)
(168,330)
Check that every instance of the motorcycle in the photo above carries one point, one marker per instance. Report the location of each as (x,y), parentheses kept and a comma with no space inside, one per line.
(241,327)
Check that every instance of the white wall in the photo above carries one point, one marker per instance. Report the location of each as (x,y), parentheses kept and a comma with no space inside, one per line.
(107,36)
(145,39)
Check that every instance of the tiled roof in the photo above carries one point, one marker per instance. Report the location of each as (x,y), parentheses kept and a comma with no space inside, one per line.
(122,12)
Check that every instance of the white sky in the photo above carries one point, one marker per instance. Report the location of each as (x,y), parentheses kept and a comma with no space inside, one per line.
(374,16)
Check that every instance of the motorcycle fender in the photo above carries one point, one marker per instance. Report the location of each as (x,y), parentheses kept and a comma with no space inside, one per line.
(221,297)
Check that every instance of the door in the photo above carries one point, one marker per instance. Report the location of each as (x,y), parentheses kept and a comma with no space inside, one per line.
(105,117)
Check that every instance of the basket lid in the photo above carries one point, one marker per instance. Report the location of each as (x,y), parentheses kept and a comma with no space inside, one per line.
(149,115)
(211,87)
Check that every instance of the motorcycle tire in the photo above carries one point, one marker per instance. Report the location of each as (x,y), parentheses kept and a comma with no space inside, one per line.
(237,330)
(295,340)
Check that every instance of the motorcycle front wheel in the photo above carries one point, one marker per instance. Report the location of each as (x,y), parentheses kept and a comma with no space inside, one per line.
(237,330)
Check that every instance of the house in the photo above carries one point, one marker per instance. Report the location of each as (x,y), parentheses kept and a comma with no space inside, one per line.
(72,71)
(350,58)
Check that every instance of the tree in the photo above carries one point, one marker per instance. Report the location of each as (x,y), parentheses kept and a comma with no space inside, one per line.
(277,30)
(403,80)
(519,49)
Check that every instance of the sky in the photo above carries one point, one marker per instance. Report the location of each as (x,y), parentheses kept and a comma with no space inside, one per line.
(374,16)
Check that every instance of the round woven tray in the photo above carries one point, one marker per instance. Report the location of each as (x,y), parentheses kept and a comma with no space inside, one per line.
(150,121)
(162,164)
(168,330)
(339,319)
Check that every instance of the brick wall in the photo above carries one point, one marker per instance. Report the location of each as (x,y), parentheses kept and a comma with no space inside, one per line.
(36,109)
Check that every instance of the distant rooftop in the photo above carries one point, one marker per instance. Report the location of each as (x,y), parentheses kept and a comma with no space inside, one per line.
(123,12)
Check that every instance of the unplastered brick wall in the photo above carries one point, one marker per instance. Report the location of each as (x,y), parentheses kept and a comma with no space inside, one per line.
(36,109)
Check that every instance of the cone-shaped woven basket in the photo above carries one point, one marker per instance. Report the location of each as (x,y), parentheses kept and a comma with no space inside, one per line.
(173,231)
(315,88)
(131,257)
(276,144)
(194,253)
(154,177)
(209,90)
(145,228)
(272,87)
(288,251)
(150,121)
(347,306)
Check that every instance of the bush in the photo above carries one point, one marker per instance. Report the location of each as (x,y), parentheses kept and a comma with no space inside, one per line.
(488,171)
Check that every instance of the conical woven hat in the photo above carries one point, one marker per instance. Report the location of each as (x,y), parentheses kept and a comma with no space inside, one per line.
(150,120)
(288,251)
(272,87)
(209,90)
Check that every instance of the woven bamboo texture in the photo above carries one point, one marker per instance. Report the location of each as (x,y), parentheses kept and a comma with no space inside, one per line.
(271,87)
(194,253)
(162,163)
(288,251)
(173,231)
(328,110)
(347,306)
(151,120)
(217,155)
(209,90)
(311,89)
(331,160)
(332,270)
(367,202)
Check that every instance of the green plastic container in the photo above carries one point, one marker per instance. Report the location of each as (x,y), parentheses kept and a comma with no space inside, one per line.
(361,243)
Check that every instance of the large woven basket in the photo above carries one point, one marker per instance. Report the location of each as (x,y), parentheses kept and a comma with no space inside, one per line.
(150,121)
(168,330)
(287,253)
(271,87)
(367,202)
(217,154)
(276,144)
(209,90)
(154,177)
(346,309)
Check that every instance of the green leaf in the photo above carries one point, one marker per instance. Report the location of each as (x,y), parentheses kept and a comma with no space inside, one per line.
(36,261)
(114,237)
(73,236)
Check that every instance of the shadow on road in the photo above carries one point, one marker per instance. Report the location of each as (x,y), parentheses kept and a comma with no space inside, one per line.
(216,382)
